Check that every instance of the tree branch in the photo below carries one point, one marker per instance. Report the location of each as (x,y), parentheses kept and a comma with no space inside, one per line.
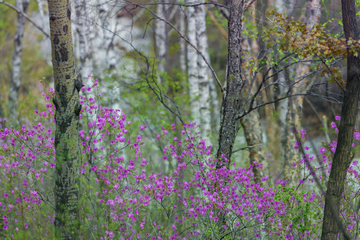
(26,16)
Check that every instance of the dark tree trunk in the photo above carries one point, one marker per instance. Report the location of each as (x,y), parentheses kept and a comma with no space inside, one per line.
(341,160)
(234,83)
(67,119)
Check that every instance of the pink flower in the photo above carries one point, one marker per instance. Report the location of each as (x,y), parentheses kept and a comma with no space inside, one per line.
(322,150)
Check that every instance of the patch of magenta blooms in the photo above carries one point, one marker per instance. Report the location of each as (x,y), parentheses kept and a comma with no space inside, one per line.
(121,198)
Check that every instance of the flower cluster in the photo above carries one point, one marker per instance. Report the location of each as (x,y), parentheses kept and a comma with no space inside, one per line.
(128,192)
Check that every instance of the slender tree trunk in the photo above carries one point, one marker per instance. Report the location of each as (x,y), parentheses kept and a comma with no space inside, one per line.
(181,41)
(234,83)
(203,77)
(251,123)
(192,67)
(80,10)
(288,140)
(67,119)
(41,11)
(215,113)
(16,69)
(161,39)
(341,160)
(108,40)
(231,103)
(295,112)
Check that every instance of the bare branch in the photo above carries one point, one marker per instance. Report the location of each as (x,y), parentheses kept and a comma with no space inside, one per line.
(323,191)
(26,16)
(182,36)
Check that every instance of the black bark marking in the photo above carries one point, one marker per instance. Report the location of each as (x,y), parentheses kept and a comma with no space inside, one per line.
(78,109)
(56,40)
(69,14)
(63,98)
(67,76)
(65,28)
(56,103)
(57,56)
(52,18)
(64,53)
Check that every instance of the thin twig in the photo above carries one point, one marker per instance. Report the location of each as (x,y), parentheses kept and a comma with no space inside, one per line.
(26,16)
(182,36)
(329,197)
(243,148)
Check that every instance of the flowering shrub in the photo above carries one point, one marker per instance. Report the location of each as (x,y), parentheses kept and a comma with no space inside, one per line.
(123,195)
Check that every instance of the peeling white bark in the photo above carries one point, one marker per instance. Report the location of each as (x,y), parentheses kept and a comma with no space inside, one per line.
(108,36)
(161,39)
(192,67)
(16,69)
(203,74)
(182,42)
(215,107)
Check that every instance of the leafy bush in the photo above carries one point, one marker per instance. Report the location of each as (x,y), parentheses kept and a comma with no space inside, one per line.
(125,196)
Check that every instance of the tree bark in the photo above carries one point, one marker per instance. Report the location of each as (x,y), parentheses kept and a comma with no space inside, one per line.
(295,107)
(67,119)
(161,40)
(16,69)
(203,76)
(182,41)
(288,140)
(192,57)
(251,123)
(341,160)
(108,39)
(234,83)
(80,10)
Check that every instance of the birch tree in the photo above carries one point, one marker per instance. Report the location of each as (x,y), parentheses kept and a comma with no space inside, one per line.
(161,40)
(68,108)
(181,41)
(108,37)
(16,68)
(203,74)
(192,66)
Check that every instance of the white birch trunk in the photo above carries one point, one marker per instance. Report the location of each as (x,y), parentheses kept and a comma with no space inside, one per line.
(161,40)
(41,12)
(203,77)
(80,10)
(192,67)
(105,14)
(83,40)
(181,41)
(16,69)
